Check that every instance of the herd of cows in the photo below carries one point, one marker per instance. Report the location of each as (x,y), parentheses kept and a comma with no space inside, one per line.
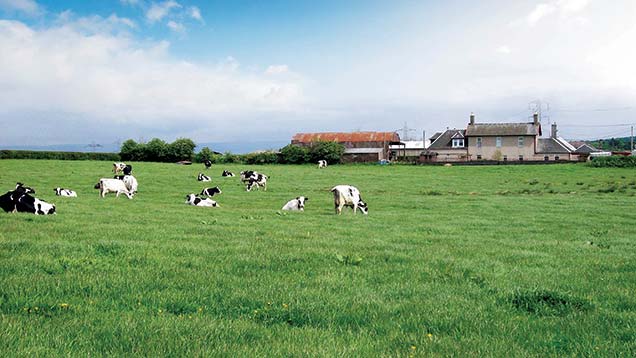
(21,200)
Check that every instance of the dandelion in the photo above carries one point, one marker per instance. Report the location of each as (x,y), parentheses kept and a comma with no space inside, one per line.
(64,305)
(285,305)
(413,348)
(200,309)
(430,336)
(160,310)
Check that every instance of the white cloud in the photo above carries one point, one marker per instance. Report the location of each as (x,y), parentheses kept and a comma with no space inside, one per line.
(539,12)
(158,11)
(503,50)
(176,27)
(130,2)
(195,13)
(276,69)
(63,72)
(29,7)
(571,6)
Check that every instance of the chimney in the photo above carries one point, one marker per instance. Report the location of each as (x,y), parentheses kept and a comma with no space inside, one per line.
(553,133)
(535,116)
(472,118)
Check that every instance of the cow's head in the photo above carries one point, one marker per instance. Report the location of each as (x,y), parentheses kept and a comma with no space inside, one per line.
(363,207)
(301,202)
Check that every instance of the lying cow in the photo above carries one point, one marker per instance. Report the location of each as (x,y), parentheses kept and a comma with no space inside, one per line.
(9,199)
(107,185)
(227,173)
(211,191)
(196,201)
(347,195)
(203,177)
(257,180)
(297,204)
(207,163)
(65,192)
(322,164)
(19,200)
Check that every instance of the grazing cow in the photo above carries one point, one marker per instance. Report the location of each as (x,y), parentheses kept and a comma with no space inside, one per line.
(118,167)
(9,199)
(194,200)
(257,180)
(347,195)
(203,177)
(297,204)
(322,164)
(211,191)
(107,185)
(65,192)
(227,173)
(207,163)
(28,204)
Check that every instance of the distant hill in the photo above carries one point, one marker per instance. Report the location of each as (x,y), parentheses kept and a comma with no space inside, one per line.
(234,147)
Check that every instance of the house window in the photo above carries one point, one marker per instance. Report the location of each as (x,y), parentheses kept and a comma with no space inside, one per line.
(546,158)
(458,143)
(478,157)
(521,158)
(520,142)
(498,142)
(478,142)
(556,157)
(505,158)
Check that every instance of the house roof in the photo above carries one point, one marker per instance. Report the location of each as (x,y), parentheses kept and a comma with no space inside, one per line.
(502,129)
(443,141)
(552,145)
(347,137)
(586,148)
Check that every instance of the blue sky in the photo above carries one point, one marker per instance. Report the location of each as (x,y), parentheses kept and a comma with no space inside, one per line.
(82,71)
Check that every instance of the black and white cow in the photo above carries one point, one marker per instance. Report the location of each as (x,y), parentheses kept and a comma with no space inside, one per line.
(9,199)
(196,201)
(322,164)
(28,204)
(257,180)
(65,192)
(227,173)
(127,169)
(347,195)
(211,191)
(118,167)
(207,163)
(245,175)
(19,200)
(129,181)
(203,177)
(297,204)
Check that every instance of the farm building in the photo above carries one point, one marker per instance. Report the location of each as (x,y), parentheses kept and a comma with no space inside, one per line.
(359,146)
(408,149)
(507,142)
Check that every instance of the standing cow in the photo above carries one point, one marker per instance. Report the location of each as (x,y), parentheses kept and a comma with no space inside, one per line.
(322,164)
(348,195)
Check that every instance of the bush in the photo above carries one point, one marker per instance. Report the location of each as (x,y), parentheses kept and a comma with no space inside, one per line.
(268,157)
(206,154)
(229,158)
(157,150)
(294,154)
(615,161)
(330,151)
(32,154)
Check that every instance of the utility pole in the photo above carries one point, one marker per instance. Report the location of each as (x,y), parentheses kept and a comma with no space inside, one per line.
(631,142)
(405,131)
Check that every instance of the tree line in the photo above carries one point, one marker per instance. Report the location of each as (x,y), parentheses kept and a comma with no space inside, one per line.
(157,150)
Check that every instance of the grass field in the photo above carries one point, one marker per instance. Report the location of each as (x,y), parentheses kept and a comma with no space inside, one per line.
(451,261)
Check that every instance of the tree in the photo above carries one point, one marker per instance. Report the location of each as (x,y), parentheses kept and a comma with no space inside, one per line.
(128,150)
(156,150)
(181,149)
(294,154)
(329,151)
(205,154)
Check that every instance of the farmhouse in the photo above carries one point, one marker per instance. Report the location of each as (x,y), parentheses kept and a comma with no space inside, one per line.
(359,146)
(507,142)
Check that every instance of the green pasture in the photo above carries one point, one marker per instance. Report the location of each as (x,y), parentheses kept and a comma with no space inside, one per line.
(505,261)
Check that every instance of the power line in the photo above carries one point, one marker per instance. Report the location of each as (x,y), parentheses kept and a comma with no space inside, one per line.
(595,109)
(602,125)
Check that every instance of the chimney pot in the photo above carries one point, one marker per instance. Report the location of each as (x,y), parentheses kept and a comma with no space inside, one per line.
(472,118)
(535,118)
(553,133)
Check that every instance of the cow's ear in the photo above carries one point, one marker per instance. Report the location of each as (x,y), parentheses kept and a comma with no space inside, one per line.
(306,198)
(298,198)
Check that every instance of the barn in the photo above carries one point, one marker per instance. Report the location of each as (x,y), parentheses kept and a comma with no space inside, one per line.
(360,147)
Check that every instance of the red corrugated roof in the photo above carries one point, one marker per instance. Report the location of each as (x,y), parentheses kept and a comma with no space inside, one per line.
(347,137)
